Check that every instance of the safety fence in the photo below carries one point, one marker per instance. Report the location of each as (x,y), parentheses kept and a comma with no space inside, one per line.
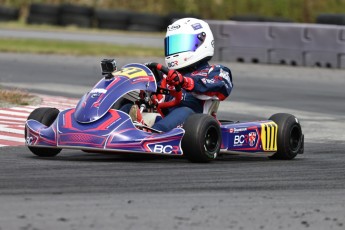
(280,43)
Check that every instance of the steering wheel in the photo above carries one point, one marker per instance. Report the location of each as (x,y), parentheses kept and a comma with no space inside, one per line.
(176,93)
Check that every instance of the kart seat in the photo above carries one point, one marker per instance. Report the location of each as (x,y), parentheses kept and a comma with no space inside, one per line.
(151,118)
(211,106)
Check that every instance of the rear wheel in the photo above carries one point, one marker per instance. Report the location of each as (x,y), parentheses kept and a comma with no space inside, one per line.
(290,140)
(45,116)
(202,140)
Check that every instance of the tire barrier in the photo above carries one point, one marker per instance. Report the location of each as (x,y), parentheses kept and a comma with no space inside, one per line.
(257,18)
(280,43)
(271,40)
(43,14)
(81,16)
(146,22)
(173,16)
(8,14)
(332,19)
(112,19)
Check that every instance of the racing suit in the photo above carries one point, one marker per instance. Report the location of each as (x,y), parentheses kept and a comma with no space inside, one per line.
(203,82)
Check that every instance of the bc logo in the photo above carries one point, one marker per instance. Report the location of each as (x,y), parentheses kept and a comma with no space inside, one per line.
(172,64)
(168,149)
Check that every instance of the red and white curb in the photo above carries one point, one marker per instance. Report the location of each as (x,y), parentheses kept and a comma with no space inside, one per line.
(12,120)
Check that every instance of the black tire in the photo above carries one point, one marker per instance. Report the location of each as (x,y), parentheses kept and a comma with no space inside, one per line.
(202,140)
(112,19)
(143,28)
(257,18)
(146,22)
(172,17)
(45,116)
(77,20)
(113,15)
(43,14)
(42,19)
(8,14)
(69,9)
(332,19)
(44,9)
(290,139)
(6,19)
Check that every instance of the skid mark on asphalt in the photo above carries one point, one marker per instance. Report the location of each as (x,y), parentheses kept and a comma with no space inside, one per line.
(12,120)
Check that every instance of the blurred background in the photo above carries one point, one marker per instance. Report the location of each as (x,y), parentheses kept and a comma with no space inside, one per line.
(285,42)
(155,14)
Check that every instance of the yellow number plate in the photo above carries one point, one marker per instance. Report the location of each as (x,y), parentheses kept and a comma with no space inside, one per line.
(131,72)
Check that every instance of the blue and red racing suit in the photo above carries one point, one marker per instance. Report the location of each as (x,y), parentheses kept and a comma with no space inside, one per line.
(203,82)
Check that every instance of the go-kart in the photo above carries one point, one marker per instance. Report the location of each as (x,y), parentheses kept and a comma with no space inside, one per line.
(97,124)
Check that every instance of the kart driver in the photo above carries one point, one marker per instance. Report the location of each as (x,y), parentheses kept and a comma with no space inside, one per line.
(189,45)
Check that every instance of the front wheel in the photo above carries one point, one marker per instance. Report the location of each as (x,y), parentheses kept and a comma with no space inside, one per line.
(202,140)
(290,140)
(45,116)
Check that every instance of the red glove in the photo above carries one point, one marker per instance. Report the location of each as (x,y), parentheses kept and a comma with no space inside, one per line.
(174,78)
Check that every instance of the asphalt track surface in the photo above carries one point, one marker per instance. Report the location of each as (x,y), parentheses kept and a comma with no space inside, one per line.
(77,190)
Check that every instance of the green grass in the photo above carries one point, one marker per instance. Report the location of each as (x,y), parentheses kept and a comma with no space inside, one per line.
(296,10)
(40,46)
(15,96)
(22,25)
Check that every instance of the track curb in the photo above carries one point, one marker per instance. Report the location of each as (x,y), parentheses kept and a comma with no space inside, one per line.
(12,119)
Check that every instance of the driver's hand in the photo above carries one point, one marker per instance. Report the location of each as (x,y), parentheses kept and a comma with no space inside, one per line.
(174,78)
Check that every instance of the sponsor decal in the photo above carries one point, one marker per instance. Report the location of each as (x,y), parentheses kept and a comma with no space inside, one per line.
(245,139)
(172,64)
(100,91)
(97,92)
(29,140)
(225,75)
(187,58)
(168,149)
(203,73)
(212,43)
(252,138)
(208,81)
(239,140)
(237,130)
(196,26)
(174,27)
(140,79)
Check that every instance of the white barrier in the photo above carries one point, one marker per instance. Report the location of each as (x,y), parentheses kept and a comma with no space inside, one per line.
(280,43)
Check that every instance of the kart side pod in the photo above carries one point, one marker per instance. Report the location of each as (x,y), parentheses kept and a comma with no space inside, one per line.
(280,137)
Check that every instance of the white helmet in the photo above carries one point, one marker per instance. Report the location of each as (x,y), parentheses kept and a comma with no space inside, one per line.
(188,40)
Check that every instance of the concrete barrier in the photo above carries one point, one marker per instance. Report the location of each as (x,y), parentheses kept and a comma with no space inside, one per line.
(280,43)
(241,43)
(325,47)
(287,43)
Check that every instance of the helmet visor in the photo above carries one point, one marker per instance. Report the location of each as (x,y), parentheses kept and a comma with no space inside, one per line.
(179,43)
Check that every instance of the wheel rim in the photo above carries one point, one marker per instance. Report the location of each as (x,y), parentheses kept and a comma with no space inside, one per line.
(211,139)
(295,138)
